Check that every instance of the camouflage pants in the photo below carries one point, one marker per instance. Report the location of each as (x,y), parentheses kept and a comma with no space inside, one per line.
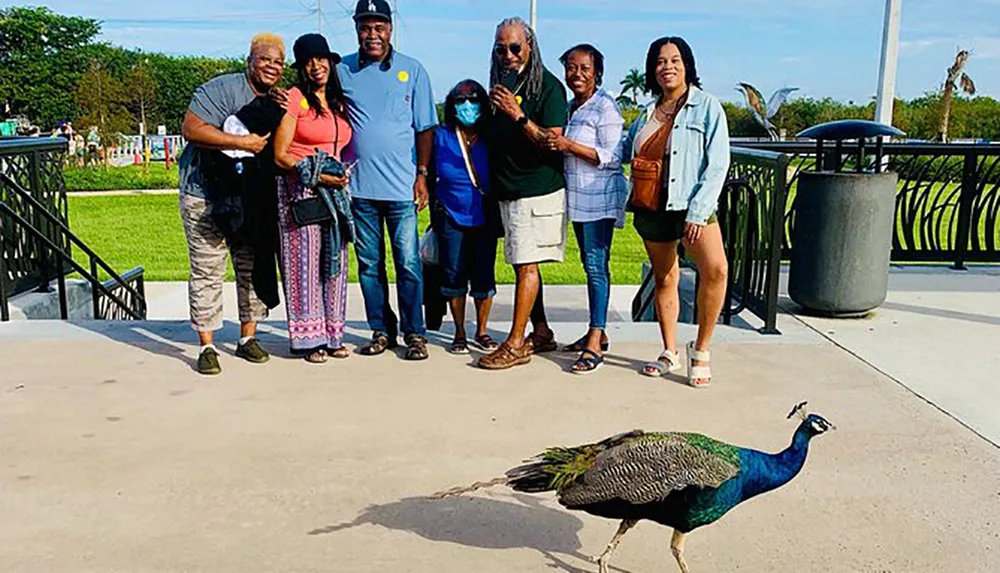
(208,250)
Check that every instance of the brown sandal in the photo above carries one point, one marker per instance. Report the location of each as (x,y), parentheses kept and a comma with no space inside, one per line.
(506,356)
(541,344)
(340,353)
(416,347)
(379,343)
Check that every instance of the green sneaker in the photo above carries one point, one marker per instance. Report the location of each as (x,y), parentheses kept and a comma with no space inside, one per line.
(208,363)
(252,352)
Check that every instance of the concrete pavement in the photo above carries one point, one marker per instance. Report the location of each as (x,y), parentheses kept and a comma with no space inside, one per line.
(122,459)
(118,457)
(938,334)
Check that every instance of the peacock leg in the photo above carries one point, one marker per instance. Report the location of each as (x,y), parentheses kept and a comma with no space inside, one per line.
(605,558)
(677,548)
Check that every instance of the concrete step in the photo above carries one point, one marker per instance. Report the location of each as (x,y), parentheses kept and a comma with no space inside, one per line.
(35,305)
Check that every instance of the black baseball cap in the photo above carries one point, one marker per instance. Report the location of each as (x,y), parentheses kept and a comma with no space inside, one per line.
(373,9)
(311,46)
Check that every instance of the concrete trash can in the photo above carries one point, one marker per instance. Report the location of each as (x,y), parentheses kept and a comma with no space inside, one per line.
(843,225)
(841,241)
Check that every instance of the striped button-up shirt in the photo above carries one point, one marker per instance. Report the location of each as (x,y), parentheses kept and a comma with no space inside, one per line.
(596,192)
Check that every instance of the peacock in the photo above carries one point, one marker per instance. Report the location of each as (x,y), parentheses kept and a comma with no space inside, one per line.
(680,480)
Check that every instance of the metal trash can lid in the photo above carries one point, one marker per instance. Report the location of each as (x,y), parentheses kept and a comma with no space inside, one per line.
(850,129)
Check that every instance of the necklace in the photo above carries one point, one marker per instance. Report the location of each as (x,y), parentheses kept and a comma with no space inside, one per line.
(668,109)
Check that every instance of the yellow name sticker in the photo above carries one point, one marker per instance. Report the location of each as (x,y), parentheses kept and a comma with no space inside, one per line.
(403,76)
(518,99)
(304,104)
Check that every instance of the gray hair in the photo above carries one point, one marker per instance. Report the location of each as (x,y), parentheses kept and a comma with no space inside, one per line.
(536,71)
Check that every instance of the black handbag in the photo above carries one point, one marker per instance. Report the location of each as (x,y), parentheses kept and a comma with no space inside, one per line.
(317,209)
(311,211)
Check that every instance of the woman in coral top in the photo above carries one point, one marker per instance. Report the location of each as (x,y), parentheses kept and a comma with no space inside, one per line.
(313,258)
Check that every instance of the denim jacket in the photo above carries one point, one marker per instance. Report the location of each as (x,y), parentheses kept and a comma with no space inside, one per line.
(699,154)
(341,229)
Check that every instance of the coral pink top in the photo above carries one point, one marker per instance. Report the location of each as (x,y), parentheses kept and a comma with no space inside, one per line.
(329,132)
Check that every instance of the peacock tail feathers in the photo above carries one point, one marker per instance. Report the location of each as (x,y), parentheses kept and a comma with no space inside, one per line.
(637,467)
(558,468)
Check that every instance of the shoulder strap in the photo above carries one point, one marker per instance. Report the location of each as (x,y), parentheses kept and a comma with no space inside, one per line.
(468,162)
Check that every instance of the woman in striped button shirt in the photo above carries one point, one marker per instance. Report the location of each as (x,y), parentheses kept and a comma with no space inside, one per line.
(596,188)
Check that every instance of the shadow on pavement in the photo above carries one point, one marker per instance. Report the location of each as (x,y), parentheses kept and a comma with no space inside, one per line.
(485,523)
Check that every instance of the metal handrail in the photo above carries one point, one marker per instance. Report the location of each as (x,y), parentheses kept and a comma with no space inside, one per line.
(98,286)
(35,204)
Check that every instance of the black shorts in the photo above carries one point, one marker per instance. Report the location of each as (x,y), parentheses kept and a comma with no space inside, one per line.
(663,226)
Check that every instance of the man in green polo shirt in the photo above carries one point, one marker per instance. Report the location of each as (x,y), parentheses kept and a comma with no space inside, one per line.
(528,103)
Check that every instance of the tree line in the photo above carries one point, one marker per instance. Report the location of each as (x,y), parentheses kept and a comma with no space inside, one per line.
(921,118)
(52,68)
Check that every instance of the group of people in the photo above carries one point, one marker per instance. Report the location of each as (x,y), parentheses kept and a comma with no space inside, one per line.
(81,151)
(354,151)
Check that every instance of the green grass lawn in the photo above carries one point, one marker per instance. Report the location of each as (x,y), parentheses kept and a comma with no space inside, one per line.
(156,176)
(128,231)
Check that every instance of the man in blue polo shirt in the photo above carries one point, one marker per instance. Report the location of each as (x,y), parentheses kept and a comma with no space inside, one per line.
(391,109)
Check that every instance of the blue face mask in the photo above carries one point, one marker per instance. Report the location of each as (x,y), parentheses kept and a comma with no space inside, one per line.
(467,113)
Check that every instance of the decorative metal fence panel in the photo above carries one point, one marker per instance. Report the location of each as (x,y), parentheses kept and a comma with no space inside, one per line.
(947,204)
(36,165)
(751,213)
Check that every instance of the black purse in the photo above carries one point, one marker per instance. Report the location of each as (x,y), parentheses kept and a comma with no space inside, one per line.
(311,211)
(315,210)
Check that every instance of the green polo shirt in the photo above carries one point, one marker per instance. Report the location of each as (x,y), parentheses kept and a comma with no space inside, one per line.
(518,167)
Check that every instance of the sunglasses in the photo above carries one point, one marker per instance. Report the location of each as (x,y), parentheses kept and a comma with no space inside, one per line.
(501,50)
(462,98)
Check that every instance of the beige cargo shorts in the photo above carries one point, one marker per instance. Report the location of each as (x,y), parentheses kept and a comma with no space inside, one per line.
(535,229)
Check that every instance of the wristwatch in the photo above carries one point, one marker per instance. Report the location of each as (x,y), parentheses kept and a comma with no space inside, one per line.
(421,170)
(522,121)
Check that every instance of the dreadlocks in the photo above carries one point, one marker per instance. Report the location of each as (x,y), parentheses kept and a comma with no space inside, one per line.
(533,85)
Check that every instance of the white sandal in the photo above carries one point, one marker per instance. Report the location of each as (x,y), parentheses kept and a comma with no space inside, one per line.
(701,372)
(672,362)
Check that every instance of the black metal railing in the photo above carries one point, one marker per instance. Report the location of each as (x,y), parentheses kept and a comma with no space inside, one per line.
(34,164)
(118,298)
(947,203)
(751,215)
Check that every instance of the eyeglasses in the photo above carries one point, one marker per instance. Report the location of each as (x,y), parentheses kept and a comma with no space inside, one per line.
(501,50)
(462,98)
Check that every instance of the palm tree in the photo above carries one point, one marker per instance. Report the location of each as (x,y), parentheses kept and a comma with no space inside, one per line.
(634,82)
(955,74)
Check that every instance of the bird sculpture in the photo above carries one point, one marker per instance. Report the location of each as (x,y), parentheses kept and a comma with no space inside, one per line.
(679,480)
(764,112)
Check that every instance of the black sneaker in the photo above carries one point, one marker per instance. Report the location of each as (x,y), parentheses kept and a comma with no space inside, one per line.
(252,352)
(208,363)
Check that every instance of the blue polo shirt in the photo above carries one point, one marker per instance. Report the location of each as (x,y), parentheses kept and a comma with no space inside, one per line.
(387,104)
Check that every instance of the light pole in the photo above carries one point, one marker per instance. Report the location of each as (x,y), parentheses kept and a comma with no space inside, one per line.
(534,17)
(890,58)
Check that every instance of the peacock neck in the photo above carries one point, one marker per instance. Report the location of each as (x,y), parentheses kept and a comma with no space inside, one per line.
(770,471)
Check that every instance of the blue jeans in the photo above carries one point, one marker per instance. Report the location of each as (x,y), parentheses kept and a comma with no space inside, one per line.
(401,219)
(594,238)
(468,257)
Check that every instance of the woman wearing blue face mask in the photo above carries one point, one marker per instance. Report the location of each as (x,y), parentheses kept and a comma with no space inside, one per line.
(465,216)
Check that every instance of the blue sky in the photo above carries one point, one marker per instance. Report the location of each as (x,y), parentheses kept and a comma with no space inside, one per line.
(827,48)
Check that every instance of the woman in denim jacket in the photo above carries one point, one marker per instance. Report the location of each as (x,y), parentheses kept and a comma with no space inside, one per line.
(686,129)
